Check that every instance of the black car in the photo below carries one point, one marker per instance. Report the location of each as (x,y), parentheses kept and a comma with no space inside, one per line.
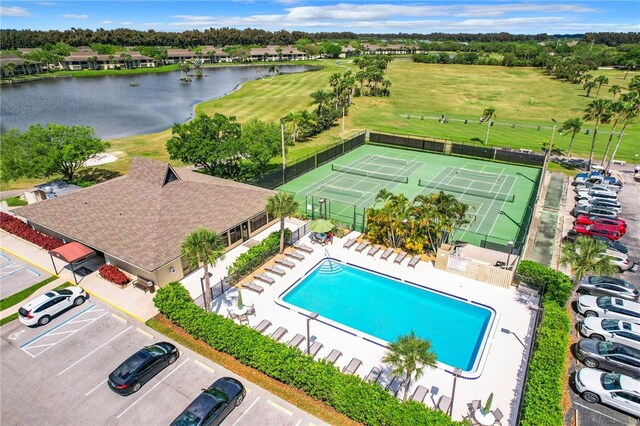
(140,367)
(613,245)
(213,405)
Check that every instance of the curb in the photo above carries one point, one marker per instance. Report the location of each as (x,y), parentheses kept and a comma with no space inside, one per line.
(92,294)
(30,262)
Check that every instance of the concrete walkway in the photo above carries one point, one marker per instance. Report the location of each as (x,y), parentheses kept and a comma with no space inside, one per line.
(42,290)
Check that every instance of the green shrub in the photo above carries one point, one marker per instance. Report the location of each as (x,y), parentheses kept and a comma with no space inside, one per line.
(15,201)
(361,401)
(554,285)
(547,374)
(256,256)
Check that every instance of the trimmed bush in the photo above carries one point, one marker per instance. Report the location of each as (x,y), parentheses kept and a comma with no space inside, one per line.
(547,374)
(361,401)
(256,256)
(20,229)
(554,285)
(112,274)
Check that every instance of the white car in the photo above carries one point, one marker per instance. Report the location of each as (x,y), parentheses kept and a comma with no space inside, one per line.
(41,309)
(609,307)
(611,330)
(617,259)
(613,389)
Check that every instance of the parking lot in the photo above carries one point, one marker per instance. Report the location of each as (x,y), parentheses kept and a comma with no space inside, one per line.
(629,197)
(57,374)
(16,274)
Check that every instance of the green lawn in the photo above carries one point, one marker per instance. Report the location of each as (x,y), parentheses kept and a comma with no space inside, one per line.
(15,201)
(522,96)
(22,295)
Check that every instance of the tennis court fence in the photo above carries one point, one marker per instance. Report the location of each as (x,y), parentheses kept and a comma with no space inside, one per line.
(456,148)
(275,178)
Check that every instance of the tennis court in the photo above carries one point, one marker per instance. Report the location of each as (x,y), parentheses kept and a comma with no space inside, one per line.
(499,194)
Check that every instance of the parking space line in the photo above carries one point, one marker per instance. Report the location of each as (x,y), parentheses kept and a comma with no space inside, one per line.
(154,386)
(91,391)
(118,317)
(149,335)
(246,411)
(599,412)
(205,366)
(55,334)
(279,407)
(298,423)
(93,351)
(57,326)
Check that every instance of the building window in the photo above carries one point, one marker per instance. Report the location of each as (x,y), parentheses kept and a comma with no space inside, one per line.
(235,234)
(258,221)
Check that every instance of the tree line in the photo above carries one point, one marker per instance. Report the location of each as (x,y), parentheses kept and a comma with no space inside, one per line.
(13,38)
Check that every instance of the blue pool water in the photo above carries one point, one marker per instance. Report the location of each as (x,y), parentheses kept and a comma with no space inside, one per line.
(386,308)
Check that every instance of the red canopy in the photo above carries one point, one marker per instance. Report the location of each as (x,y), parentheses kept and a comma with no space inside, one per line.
(72,252)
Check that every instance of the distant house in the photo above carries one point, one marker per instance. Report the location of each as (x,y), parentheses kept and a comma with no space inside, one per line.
(277,53)
(89,60)
(138,221)
(348,51)
(390,49)
(20,66)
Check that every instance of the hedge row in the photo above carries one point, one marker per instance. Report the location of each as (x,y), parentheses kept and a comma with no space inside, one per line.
(256,256)
(555,285)
(547,373)
(348,394)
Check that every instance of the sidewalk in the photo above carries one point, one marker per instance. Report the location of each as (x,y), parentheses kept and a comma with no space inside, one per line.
(130,300)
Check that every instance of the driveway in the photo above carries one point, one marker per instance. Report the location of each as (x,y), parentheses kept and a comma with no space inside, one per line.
(57,374)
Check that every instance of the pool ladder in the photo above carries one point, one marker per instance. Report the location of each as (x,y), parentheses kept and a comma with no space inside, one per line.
(329,266)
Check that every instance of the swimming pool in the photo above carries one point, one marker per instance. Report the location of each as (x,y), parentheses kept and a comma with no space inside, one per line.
(387,308)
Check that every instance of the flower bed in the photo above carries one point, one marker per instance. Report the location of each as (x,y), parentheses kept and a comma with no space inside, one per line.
(113,274)
(20,229)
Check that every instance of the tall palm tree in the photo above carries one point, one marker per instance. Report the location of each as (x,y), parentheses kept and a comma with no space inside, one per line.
(488,115)
(584,256)
(630,110)
(408,356)
(597,110)
(600,80)
(281,204)
(203,247)
(572,125)
(615,110)
(589,86)
(320,98)
(615,89)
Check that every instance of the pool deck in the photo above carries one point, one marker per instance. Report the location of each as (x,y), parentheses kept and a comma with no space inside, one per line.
(502,366)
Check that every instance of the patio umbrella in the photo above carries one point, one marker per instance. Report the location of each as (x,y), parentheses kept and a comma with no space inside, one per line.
(321,225)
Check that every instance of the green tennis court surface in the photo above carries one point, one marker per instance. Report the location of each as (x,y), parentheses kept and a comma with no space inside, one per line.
(499,194)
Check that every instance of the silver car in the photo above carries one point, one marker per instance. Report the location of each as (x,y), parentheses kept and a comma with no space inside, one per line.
(614,389)
(611,330)
(609,307)
(609,356)
(606,286)
(594,211)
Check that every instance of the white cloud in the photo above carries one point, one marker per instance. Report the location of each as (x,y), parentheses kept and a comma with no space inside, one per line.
(126,22)
(107,22)
(74,16)
(47,3)
(13,11)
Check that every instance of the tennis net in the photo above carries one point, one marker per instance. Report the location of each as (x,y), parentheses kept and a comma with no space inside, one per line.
(342,191)
(510,198)
(383,159)
(367,173)
(475,173)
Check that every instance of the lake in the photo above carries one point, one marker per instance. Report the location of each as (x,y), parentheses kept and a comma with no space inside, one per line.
(115,109)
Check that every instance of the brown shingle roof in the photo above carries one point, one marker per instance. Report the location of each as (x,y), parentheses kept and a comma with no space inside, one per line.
(140,219)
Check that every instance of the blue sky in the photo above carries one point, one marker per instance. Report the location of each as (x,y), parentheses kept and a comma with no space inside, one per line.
(377,16)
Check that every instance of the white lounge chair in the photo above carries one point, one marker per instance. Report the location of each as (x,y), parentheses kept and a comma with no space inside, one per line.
(353,365)
(395,385)
(373,375)
(279,333)
(444,404)
(275,270)
(264,278)
(253,287)
(373,250)
(303,248)
(414,261)
(295,255)
(360,248)
(333,356)
(419,394)
(314,348)
(285,263)
(388,252)
(264,324)
(350,242)
(296,341)
(400,257)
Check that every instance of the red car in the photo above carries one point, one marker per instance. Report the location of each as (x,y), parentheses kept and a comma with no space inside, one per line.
(609,231)
(584,219)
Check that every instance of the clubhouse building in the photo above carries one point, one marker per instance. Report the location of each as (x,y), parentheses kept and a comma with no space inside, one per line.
(138,222)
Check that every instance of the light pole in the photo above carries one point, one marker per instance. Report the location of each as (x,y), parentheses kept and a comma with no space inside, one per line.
(284,161)
(546,157)
(457,372)
(312,316)
(510,243)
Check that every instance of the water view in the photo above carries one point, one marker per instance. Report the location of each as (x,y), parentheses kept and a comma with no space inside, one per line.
(114,108)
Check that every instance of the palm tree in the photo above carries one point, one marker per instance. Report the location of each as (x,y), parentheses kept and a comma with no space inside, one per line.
(630,65)
(597,110)
(203,247)
(320,98)
(615,89)
(584,256)
(615,109)
(488,115)
(630,110)
(634,84)
(184,67)
(572,125)
(601,79)
(588,86)
(281,204)
(273,70)
(408,356)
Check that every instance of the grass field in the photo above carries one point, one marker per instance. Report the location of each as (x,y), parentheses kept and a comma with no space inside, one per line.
(499,194)
(524,96)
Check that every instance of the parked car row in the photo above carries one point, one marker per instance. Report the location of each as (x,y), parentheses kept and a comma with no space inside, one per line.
(597,213)
(211,407)
(610,349)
